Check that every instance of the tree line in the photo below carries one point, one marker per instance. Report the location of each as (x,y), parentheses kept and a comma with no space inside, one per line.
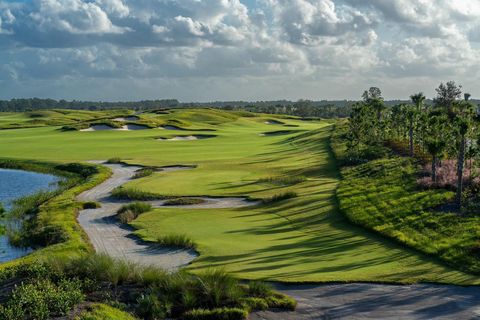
(444,130)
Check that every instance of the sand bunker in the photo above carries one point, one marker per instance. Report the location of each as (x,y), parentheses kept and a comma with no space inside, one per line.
(273,122)
(99,127)
(104,127)
(187,138)
(135,127)
(130,118)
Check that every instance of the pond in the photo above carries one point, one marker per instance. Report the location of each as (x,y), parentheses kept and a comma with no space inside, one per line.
(15,184)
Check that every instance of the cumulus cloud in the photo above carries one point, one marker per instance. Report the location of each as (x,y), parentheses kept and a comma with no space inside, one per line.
(302,42)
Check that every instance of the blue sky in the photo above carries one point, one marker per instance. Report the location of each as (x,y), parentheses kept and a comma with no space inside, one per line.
(203,50)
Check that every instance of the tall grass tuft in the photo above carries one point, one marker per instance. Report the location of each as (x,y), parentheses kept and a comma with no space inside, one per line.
(131,211)
(176,240)
(134,194)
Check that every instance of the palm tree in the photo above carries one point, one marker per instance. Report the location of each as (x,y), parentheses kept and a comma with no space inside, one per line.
(418,100)
(411,114)
(462,130)
(435,147)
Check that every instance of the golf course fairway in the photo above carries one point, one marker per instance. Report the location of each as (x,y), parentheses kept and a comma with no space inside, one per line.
(296,234)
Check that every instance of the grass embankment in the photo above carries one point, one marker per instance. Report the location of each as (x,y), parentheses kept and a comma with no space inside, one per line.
(304,238)
(57,216)
(383,195)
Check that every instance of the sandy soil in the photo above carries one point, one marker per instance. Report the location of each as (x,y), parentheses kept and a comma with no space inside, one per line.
(376,301)
(110,237)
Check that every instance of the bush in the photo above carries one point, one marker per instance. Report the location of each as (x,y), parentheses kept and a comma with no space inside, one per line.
(142,173)
(259,289)
(253,303)
(281,301)
(151,308)
(134,194)
(281,197)
(131,211)
(176,240)
(184,201)
(42,299)
(216,314)
(91,205)
(114,160)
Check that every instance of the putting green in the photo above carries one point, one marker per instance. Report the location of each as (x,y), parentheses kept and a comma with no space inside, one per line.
(299,239)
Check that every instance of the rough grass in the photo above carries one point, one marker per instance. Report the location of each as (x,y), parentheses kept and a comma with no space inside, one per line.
(184,201)
(130,212)
(127,193)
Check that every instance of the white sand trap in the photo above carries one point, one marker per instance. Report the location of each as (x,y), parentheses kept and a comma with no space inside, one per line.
(127,127)
(110,237)
(273,122)
(186,138)
(135,127)
(131,118)
(99,127)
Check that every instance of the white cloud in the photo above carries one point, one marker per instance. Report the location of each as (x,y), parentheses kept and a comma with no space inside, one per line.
(333,46)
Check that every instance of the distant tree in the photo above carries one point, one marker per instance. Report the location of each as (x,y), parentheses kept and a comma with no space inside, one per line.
(418,99)
(373,97)
(466,96)
(447,94)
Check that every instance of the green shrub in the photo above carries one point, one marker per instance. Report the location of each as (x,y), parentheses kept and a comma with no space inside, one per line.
(184,201)
(216,288)
(114,160)
(42,299)
(253,303)
(280,197)
(142,173)
(259,289)
(281,301)
(91,205)
(151,308)
(99,311)
(134,194)
(216,314)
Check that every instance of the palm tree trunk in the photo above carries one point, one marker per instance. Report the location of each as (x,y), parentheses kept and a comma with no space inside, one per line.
(434,168)
(410,134)
(460,162)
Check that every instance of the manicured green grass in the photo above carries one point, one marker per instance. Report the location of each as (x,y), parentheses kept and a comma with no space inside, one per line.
(304,238)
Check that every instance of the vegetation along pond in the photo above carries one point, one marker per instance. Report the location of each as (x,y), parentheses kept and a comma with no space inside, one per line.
(15,184)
